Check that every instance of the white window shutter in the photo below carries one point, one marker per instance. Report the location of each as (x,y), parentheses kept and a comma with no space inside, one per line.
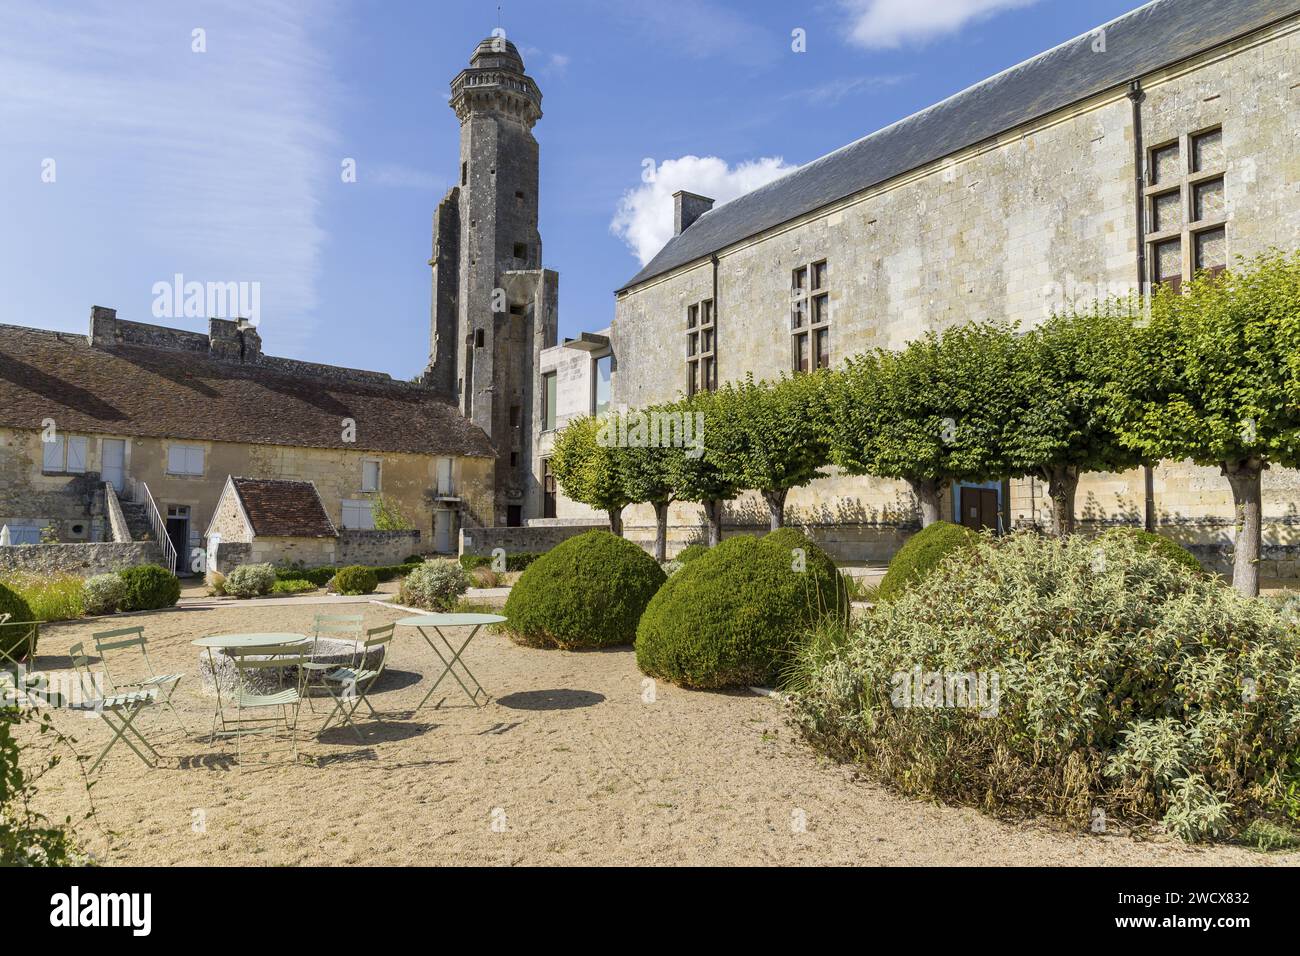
(52,459)
(77,454)
(193,460)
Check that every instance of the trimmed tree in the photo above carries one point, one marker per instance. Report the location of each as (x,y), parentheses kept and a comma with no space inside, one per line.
(695,475)
(1062,427)
(1213,377)
(936,412)
(586,467)
(647,468)
(769,437)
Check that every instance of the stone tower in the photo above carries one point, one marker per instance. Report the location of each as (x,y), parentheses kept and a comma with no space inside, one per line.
(494,306)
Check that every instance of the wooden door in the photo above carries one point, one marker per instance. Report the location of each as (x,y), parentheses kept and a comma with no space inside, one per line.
(979,508)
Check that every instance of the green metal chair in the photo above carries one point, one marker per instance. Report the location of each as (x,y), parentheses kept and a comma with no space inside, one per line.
(22,635)
(133,637)
(252,665)
(337,627)
(350,686)
(118,710)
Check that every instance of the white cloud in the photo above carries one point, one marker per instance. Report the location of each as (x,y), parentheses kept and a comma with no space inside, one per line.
(212,164)
(833,92)
(644,219)
(891,23)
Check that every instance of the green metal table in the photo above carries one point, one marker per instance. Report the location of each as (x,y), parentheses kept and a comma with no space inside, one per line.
(216,642)
(436,622)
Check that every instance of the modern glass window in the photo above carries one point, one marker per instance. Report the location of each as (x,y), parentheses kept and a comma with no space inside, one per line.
(358,514)
(66,454)
(1187,212)
(701,348)
(810,317)
(548,490)
(370,474)
(548,401)
(604,370)
(184,459)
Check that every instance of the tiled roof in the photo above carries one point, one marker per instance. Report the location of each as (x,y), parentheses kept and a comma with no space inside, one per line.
(1145,40)
(277,507)
(173,393)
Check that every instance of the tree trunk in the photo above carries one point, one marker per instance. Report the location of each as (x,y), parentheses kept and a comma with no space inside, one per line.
(1244,477)
(616,521)
(1062,484)
(928,492)
(776,507)
(661,531)
(713,516)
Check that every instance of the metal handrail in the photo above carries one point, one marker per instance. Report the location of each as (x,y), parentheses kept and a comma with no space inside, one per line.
(159,526)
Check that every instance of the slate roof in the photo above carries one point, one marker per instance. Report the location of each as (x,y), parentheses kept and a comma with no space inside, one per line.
(1145,40)
(278,507)
(172,393)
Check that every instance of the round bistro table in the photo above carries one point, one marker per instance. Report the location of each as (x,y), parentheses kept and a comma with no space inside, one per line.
(219,642)
(436,623)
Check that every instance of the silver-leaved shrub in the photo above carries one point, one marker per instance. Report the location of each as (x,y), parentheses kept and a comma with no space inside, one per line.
(1082,678)
(435,585)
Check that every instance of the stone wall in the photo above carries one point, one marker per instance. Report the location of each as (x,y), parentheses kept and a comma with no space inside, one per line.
(119,530)
(231,554)
(83,560)
(308,552)
(376,548)
(535,537)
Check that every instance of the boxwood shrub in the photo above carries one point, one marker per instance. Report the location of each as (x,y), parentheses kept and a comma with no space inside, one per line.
(921,554)
(1130,685)
(733,616)
(149,587)
(13,636)
(588,591)
(355,579)
(691,552)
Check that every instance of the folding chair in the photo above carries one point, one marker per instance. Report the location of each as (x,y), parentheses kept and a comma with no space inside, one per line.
(353,683)
(336,627)
(117,710)
(21,637)
(255,662)
(127,637)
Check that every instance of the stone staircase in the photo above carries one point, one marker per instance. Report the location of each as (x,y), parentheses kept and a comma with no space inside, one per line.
(137,519)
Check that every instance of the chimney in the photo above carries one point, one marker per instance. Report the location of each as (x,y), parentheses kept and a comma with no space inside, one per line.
(103,327)
(687,207)
(234,339)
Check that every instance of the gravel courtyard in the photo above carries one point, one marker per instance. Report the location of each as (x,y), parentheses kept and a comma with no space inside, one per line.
(568,764)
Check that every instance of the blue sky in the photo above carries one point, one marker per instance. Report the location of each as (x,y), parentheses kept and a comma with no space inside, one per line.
(225,165)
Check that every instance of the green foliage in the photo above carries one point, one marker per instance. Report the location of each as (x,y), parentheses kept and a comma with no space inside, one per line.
(768,437)
(250,580)
(588,591)
(103,593)
(921,554)
(1213,375)
(436,585)
(59,597)
(691,553)
(353,579)
(731,617)
(1125,682)
(388,516)
(942,409)
(514,561)
(695,476)
(586,469)
(13,636)
(296,586)
(323,575)
(149,587)
(1158,543)
(26,837)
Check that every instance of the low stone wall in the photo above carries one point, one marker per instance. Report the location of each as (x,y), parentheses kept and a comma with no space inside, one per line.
(376,548)
(534,537)
(231,554)
(118,528)
(79,559)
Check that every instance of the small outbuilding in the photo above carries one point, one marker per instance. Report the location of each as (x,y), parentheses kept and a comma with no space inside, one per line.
(273,520)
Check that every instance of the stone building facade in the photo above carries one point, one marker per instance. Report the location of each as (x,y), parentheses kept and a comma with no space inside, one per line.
(494,306)
(164,417)
(1164,142)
